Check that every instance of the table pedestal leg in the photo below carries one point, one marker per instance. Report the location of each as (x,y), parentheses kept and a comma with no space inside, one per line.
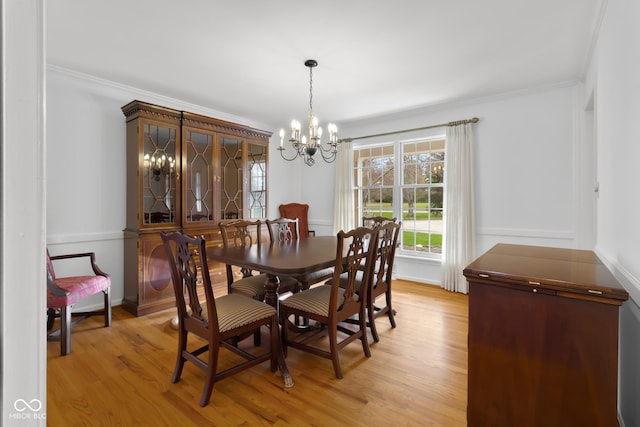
(271,287)
(271,297)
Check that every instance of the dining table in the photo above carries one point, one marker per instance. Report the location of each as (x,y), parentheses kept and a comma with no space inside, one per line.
(281,259)
(294,259)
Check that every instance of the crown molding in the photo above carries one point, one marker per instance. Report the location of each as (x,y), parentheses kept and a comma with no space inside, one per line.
(154,97)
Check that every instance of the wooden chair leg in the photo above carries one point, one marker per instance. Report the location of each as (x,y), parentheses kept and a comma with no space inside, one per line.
(107,307)
(362,317)
(182,347)
(210,376)
(333,348)
(65,330)
(391,311)
(51,318)
(371,311)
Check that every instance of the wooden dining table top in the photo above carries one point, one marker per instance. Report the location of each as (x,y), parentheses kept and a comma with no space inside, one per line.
(295,258)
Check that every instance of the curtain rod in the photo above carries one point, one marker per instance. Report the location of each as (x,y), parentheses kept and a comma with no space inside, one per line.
(456,123)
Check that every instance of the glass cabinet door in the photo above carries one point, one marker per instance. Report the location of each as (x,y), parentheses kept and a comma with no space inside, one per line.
(159,190)
(257,191)
(231,177)
(198,176)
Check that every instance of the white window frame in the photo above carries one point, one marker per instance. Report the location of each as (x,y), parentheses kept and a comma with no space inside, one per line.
(397,208)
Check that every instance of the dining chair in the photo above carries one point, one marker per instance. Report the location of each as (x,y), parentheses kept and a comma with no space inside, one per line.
(283,230)
(380,284)
(286,230)
(375,221)
(244,234)
(299,211)
(382,276)
(222,322)
(330,304)
(64,292)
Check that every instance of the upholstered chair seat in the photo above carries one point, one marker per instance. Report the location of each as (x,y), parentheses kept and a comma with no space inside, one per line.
(253,286)
(229,306)
(77,288)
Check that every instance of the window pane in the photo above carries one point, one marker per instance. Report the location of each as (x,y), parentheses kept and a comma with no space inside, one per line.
(421,190)
(373,180)
(436,200)
(436,172)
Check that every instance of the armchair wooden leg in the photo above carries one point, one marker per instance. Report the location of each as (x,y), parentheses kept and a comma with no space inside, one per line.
(51,318)
(65,330)
(107,307)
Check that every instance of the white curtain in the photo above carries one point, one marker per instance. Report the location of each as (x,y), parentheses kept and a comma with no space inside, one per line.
(459,222)
(343,204)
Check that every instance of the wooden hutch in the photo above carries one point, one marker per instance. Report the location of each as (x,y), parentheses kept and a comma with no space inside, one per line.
(543,338)
(185,172)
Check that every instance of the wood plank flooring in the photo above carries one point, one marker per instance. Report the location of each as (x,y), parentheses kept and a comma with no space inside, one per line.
(416,376)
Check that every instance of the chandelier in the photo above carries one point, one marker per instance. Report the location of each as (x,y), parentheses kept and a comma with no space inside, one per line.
(307,148)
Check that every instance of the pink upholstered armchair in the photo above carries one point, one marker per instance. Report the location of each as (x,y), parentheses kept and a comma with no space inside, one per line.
(64,292)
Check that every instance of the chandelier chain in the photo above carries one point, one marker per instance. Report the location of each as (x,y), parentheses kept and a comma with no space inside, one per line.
(310,92)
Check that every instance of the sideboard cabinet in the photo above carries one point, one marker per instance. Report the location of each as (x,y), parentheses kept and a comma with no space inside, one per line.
(543,338)
(185,172)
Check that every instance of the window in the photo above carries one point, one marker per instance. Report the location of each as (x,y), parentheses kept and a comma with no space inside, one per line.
(257,190)
(412,192)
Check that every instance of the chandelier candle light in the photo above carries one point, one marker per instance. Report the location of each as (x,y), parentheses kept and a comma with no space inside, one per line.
(307,148)
(159,165)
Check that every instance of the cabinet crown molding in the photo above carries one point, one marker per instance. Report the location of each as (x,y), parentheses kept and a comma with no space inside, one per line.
(136,109)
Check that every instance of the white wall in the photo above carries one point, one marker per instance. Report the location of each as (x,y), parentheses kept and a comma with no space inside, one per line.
(533,185)
(614,78)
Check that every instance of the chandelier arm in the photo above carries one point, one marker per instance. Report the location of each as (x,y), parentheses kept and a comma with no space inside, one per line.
(328,148)
(330,157)
(297,153)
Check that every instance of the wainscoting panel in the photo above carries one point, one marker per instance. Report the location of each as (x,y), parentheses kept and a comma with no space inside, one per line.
(629,380)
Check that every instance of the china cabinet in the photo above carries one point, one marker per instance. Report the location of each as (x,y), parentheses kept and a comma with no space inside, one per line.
(185,172)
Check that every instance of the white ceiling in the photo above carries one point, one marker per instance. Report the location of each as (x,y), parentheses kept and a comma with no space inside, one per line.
(246,57)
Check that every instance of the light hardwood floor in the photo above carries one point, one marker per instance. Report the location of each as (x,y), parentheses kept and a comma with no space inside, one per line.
(416,376)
